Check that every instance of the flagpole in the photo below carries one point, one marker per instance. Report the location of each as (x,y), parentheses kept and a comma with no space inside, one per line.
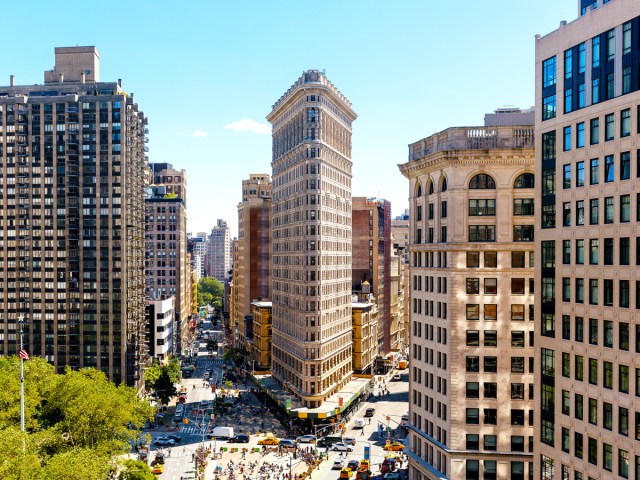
(21,321)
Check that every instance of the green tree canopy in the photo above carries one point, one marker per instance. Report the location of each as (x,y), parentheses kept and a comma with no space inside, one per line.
(162,379)
(136,470)
(210,291)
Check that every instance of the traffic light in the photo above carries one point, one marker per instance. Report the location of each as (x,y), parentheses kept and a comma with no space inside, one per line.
(185,421)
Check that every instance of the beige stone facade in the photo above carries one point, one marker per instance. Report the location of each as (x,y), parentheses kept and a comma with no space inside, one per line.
(262,325)
(471,269)
(365,336)
(587,404)
(311,239)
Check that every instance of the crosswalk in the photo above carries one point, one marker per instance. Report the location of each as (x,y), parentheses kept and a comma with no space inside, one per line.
(190,429)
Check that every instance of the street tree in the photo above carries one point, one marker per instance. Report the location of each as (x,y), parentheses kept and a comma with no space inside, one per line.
(162,379)
(210,291)
(212,345)
(136,470)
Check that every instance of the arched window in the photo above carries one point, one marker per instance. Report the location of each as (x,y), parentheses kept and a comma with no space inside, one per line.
(526,180)
(430,187)
(482,181)
(419,190)
(443,187)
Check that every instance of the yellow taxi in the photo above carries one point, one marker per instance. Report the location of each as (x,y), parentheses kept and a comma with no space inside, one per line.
(394,447)
(268,440)
(345,472)
(157,469)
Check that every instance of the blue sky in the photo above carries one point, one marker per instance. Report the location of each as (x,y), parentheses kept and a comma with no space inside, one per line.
(410,68)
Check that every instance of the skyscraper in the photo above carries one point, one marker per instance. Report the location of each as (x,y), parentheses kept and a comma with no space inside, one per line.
(251,270)
(311,238)
(219,252)
(72,218)
(587,377)
(166,270)
(471,266)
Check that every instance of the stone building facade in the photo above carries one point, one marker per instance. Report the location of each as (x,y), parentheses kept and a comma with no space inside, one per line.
(311,239)
(471,276)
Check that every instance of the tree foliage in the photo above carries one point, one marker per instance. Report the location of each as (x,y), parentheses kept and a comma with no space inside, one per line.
(236,355)
(162,379)
(76,422)
(136,470)
(210,291)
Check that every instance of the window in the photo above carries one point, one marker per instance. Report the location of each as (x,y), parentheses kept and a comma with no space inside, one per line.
(517,391)
(593,291)
(580,135)
(490,286)
(482,181)
(611,78)
(473,364)
(579,406)
(623,421)
(580,174)
(593,371)
(625,165)
(490,338)
(473,390)
(490,469)
(473,441)
(579,329)
(581,100)
(593,331)
(517,312)
(595,49)
(490,443)
(472,468)
(609,129)
(473,259)
(566,289)
(626,38)
(473,286)
(593,211)
(580,212)
(607,380)
(525,180)
(473,311)
(608,210)
(517,339)
(607,456)
(549,72)
(623,336)
(568,63)
(490,390)
(479,208)
(594,133)
(517,417)
(473,416)
(517,364)
(566,327)
(593,411)
(490,311)
(473,338)
(595,91)
(566,176)
(592,451)
(568,100)
(625,208)
(625,123)
(608,251)
(593,172)
(609,168)
(517,286)
(593,251)
(607,416)
(608,333)
(490,364)
(482,233)
(490,259)
(523,233)
(578,445)
(623,378)
(626,82)
(580,252)
(565,440)
(549,107)
(566,144)
(566,214)
(523,206)
(579,368)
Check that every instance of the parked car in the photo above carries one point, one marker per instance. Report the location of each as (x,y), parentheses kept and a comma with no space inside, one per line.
(175,438)
(163,441)
(369,412)
(341,447)
(285,443)
(338,464)
(240,438)
(306,439)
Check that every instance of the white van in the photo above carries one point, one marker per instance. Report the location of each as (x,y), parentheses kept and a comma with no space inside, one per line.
(359,423)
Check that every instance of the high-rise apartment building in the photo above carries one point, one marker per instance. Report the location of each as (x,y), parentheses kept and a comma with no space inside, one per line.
(219,252)
(311,238)
(166,270)
(371,259)
(471,266)
(72,219)
(587,375)
(197,247)
(251,269)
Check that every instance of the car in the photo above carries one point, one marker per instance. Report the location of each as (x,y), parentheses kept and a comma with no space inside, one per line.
(353,465)
(369,412)
(337,465)
(391,476)
(175,438)
(268,441)
(341,447)
(306,439)
(157,469)
(397,377)
(240,438)
(345,473)
(349,441)
(394,447)
(164,441)
(285,443)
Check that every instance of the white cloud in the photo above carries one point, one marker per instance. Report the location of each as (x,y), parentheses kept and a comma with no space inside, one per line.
(199,133)
(248,125)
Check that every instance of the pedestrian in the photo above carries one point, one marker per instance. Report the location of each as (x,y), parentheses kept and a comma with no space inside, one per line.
(362,433)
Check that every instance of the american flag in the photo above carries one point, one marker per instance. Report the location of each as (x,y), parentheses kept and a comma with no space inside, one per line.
(24,355)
